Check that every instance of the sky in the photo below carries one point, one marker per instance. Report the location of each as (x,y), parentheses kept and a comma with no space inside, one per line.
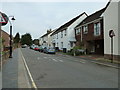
(37,17)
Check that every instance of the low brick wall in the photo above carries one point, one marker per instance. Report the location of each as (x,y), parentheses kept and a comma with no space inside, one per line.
(115,57)
(4,57)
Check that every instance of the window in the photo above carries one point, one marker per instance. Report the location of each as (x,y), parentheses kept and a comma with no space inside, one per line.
(97,29)
(61,34)
(78,31)
(65,32)
(61,45)
(57,35)
(85,29)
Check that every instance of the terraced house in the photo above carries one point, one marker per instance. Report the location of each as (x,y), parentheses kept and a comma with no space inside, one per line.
(89,33)
(64,37)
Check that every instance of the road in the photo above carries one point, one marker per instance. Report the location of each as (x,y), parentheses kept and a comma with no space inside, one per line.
(60,71)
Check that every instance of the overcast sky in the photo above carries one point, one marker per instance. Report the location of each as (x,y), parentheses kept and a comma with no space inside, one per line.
(36,17)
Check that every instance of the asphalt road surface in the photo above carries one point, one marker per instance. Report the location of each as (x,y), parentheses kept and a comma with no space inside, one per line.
(59,71)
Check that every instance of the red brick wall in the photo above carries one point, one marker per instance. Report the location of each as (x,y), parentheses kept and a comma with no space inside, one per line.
(5,37)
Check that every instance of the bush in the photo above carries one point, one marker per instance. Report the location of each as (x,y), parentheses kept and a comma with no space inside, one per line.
(75,51)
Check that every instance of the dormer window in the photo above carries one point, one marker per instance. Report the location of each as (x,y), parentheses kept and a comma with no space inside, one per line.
(85,29)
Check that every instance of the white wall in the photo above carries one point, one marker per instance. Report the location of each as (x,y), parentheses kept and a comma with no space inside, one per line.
(111,23)
(70,34)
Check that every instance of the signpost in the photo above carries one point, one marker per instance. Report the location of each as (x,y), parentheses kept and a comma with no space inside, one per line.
(3,19)
(111,34)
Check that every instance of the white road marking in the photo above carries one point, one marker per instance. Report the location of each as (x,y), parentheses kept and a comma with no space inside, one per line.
(44,57)
(61,60)
(54,60)
(33,83)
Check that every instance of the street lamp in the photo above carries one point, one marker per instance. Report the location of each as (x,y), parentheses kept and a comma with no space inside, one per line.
(11,35)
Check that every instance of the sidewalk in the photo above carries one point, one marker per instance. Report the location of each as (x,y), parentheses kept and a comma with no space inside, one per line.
(98,59)
(14,74)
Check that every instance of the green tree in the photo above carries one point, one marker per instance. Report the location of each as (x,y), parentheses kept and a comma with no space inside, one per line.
(36,41)
(17,38)
(26,39)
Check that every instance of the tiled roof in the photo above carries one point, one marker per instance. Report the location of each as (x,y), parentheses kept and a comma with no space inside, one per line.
(46,34)
(92,17)
(67,24)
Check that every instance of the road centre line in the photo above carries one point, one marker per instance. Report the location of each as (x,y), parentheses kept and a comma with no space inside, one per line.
(33,83)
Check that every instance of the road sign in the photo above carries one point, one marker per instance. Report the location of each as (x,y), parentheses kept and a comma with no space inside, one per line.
(111,33)
(3,19)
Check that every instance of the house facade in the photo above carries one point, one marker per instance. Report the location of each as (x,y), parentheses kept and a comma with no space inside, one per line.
(89,33)
(112,22)
(45,40)
(64,37)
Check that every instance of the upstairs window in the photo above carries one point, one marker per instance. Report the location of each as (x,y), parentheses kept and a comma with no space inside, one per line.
(97,29)
(65,32)
(85,29)
(57,35)
(78,31)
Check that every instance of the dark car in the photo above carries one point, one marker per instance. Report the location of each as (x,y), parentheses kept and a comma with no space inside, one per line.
(41,48)
(49,50)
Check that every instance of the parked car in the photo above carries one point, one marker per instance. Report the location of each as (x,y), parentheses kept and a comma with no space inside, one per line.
(36,48)
(41,48)
(49,50)
(24,46)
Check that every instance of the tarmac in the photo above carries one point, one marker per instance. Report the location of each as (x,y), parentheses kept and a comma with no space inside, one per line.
(97,59)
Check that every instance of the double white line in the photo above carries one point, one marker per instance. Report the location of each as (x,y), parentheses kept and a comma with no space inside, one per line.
(31,78)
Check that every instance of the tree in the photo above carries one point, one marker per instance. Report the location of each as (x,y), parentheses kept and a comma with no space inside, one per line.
(17,38)
(36,41)
(26,39)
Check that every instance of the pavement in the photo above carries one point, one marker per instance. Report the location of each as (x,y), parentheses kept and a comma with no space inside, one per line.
(98,59)
(14,74)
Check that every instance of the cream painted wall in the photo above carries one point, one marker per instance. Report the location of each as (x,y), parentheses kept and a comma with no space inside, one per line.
(111,23)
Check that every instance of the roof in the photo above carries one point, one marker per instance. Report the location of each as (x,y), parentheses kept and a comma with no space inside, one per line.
(92,17)
(67,24)
(45,34)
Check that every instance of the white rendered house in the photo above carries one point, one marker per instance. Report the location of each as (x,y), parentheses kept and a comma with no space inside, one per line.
(64,37)
(112,22)
(45,39)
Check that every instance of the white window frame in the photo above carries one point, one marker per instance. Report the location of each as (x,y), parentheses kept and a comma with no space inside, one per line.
(97,29)
(85,29)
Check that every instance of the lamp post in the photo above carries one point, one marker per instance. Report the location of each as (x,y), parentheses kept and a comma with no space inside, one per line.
(11,36)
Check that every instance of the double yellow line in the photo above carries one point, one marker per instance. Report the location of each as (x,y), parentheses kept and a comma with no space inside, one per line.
(26,66)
